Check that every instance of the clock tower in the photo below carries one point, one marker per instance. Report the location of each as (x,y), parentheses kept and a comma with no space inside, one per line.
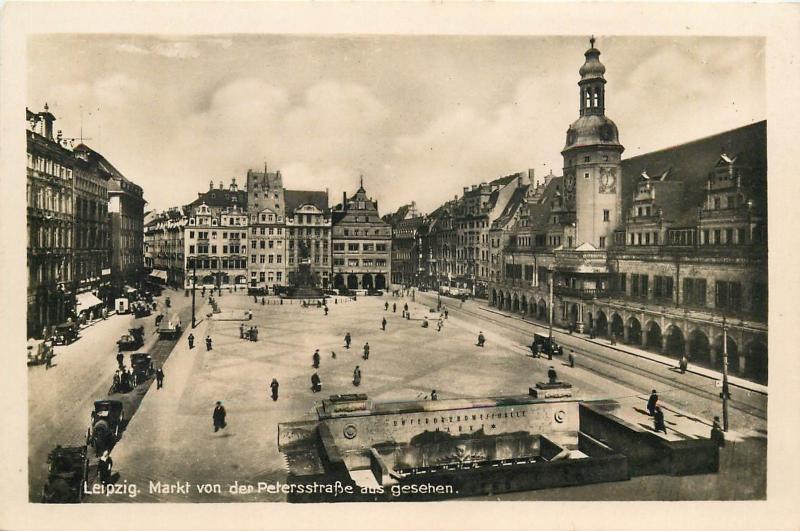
(592,169)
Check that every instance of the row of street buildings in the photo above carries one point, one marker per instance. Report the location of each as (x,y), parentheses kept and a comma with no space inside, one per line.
(666,251)
(266,237)
(84,228)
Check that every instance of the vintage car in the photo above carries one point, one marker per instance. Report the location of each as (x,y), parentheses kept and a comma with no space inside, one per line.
(38,351)
(140,309)
(65,333)
(170,328)
(142,367)
(132,340)
(106,425)
(544,345)
(67,475)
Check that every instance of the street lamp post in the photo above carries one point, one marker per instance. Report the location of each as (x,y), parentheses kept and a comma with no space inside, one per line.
(551,312)
(724,394)
(194,289)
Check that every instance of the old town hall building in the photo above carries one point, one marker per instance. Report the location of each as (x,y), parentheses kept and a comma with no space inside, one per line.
(661,250)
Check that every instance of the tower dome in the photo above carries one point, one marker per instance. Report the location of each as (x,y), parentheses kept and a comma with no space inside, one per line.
(592,68)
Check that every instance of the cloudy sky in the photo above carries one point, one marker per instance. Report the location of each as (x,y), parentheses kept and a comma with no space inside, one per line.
(420,117)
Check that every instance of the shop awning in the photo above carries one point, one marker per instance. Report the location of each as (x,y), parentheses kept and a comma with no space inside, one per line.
(87,301)
(159,273)
(129,289)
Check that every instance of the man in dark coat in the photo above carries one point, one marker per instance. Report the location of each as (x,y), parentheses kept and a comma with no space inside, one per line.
(651,402)
(551,375)
(219,417)
(394,307)
(326,309)
(274,387)
(717,435)
(241,330)
(315,359)
(208,342)
(383,324)
(658,420)
(366,351)
(104,468)
(357,376)
(190,339)
(481,339)
(386,306)
(347,340)
(683,364)
(120,359)
(315,383)
(159,378)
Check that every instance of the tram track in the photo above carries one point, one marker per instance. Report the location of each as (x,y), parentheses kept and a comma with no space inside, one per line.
(599,359)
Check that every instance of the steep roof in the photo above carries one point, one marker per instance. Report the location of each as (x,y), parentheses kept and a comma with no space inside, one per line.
(511,206)
(220,198)
(692,162)
(297,198)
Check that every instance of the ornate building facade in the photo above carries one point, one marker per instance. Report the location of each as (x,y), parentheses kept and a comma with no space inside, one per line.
(662,250)
(216,247)
(361,243)
(50,224)
(164,247)
(308,227)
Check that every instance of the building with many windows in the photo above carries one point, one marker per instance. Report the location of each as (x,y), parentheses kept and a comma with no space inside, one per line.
(216,247)
(665,251)
(164,246)
(361,243)
(50,224)
(267,262)
(409,246)
(308,228)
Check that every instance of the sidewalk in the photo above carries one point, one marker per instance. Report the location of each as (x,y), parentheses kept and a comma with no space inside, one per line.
(628,349)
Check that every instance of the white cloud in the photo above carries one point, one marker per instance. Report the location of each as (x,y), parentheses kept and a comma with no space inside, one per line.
(131,48)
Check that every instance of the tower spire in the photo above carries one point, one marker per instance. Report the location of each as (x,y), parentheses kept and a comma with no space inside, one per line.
(591,41)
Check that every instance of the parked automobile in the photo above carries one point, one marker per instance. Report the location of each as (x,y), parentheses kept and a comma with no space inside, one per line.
(67,475)
(106,425)
(65,333)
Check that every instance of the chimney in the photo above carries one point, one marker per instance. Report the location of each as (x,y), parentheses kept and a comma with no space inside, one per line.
(474,186)
(531,176)
(48,122)
(344,199)
(233,184)
(211,184)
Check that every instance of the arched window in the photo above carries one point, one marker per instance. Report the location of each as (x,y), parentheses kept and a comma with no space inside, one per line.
(588,102)
(596,97)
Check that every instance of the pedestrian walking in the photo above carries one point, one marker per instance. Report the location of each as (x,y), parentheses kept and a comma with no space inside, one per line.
(347,340)
(263,301)
(552,377)
(386,306)
(383,324)
(658,421)
(159,378)
(366,351)
(315,359)
(717,435)
(219,417)
(241,330)
(208,342)
(48,360)
(439,325)
(120,359)
(481,339)
(683,364)
(326,309)
(255,299)
(255,333)
(316,385)
(104,468)
(652,402)
(357,376)
(405,307)
(333,355)
(394,307)
(445,312)
(571,359)
(190,339)
(274,387)
(434,396)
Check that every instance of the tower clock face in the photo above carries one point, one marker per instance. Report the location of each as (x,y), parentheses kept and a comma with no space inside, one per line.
(569,188)
(608,180)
